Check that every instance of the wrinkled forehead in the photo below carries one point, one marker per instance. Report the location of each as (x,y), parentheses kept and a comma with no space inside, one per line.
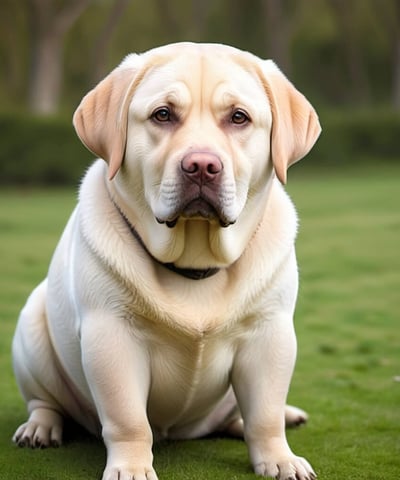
(198,76)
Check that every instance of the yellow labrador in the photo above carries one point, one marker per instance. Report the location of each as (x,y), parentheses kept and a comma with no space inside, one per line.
(168,307)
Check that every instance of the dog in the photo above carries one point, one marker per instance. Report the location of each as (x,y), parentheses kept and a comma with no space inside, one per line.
(168,307)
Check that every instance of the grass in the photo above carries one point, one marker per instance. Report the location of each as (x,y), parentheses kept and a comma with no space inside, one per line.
(347,323)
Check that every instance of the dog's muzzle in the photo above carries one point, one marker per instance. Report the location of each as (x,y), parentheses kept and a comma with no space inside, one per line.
(201,174)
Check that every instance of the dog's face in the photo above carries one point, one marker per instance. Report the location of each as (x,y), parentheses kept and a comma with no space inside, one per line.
(198,131)
(192,134)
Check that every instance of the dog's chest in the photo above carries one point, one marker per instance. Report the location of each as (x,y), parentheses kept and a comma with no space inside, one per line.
(189,376)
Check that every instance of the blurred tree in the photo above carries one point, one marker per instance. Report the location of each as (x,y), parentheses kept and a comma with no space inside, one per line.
(49,21)
(13,50)
(200,9)
(184,20)
(339,52)
(396,56)
(169,17)
(351,47)
(277,32)
(101,44)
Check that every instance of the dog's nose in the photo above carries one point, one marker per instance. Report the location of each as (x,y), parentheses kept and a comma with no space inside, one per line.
(201,167)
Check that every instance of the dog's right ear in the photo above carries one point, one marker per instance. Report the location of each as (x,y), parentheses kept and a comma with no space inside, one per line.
(101,118)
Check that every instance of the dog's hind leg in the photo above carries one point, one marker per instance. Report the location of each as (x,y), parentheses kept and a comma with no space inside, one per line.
(37,376)
(294,417)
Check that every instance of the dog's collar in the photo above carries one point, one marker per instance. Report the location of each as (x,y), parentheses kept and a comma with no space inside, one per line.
(191,273)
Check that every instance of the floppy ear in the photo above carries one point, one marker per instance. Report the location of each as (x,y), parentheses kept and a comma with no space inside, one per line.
(295,124)
(102,116)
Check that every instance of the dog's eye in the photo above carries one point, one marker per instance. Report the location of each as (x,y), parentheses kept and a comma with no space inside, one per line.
(239,117)
(161,115)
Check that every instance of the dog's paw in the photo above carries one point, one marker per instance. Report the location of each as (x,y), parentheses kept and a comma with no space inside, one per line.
(288,468)
(126,473)
(294,417)
(43,429)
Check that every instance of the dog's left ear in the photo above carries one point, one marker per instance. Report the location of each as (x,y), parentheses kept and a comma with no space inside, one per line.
(102,116)
(295,124)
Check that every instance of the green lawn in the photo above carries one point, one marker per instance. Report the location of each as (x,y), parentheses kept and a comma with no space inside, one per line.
(347,322)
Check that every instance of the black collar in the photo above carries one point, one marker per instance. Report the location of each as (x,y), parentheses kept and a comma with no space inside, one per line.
(191,273)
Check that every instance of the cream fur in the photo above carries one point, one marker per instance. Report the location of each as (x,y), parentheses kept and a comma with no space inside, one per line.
(125,346)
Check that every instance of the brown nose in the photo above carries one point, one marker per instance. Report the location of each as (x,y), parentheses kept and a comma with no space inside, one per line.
(201,167)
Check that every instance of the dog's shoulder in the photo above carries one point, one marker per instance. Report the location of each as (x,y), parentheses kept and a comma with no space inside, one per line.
(277,231)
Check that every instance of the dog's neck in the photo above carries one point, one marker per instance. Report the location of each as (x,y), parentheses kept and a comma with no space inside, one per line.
(191,273)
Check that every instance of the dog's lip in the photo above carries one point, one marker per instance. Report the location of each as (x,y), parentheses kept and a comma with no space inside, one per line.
(197,208)
(200,207)
(172,223)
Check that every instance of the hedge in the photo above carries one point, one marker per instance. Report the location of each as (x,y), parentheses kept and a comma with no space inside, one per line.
(40,151)
(46,151)
(353,136)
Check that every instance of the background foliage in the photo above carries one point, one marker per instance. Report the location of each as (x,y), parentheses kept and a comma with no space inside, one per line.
(337,52)
(344,56)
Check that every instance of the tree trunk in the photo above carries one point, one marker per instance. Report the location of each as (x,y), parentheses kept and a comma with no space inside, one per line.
(99,68)
(167,14)
(46,71)
(199,19)
(48,27)
(277,30)
(193,28)
(396,59)
(359,83)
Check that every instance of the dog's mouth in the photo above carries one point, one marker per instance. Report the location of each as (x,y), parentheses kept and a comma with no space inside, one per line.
(198,208)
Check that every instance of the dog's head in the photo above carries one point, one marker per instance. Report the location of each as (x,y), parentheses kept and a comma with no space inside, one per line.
(192,134)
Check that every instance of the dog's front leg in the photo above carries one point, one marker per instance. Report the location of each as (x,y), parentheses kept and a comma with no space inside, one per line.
(261,376)
(117,370)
